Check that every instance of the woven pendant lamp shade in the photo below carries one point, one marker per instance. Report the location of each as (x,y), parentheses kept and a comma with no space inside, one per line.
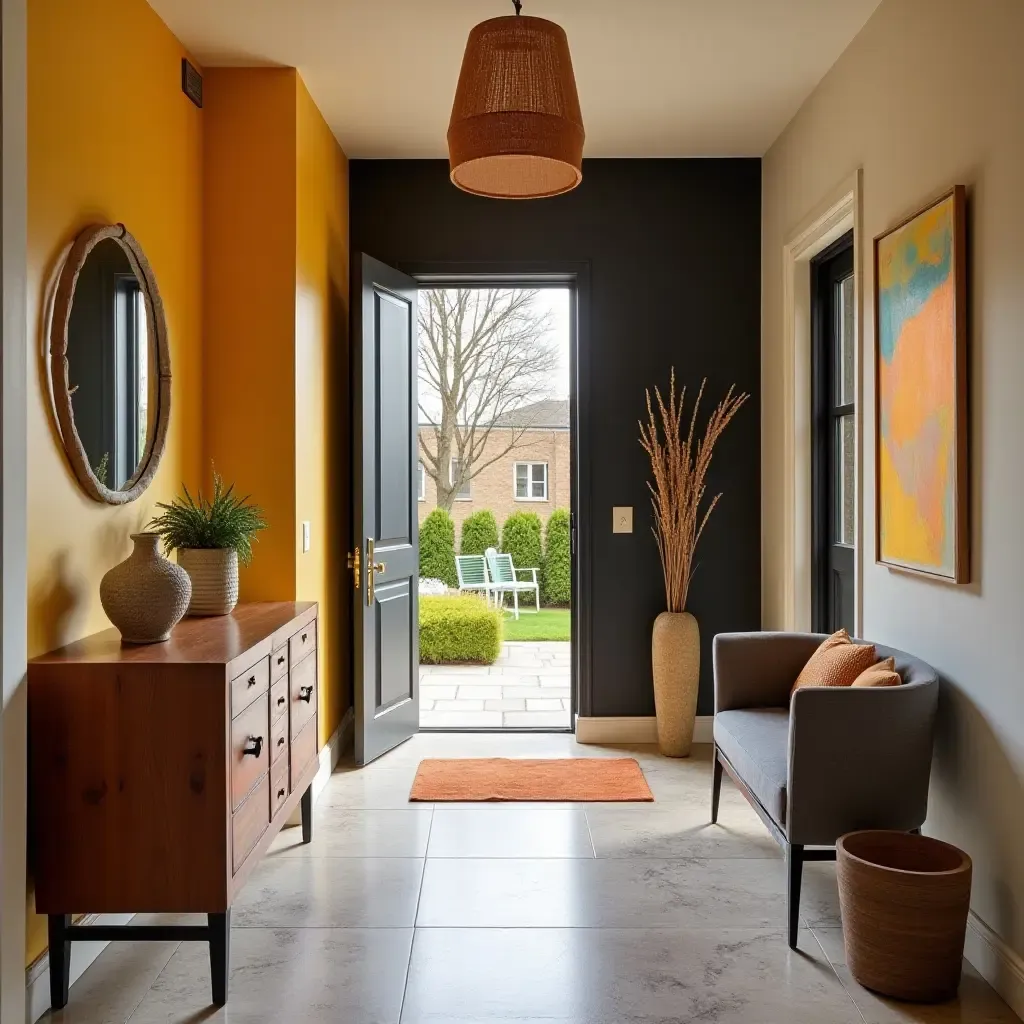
(516,130)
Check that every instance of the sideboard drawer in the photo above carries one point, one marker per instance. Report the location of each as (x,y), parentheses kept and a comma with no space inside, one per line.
(249,822)
(303,692)
(302,643)
(278,785)
(250,753)
(279,739)
(278,699)
(249,685)
(303,751)
(279,664)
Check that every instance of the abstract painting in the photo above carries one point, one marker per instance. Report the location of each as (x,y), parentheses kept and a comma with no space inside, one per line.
(921,392)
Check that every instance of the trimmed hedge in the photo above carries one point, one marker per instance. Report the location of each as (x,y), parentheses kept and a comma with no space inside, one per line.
(556,575)
(520,538)
(479,532)
(437,547)
(457,629)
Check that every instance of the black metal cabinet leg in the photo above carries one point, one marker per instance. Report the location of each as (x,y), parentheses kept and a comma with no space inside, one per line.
(307,814)
(716,786)
(60,959)
(220,955)
(794,871)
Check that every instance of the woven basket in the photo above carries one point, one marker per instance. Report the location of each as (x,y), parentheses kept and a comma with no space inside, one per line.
(904,901)
(214,575)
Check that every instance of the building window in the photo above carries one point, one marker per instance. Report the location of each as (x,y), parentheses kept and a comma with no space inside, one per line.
(421,482)
(463,493)
(531,481)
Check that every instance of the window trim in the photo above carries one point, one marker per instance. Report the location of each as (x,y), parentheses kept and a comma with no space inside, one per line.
(529,481)
(468,496)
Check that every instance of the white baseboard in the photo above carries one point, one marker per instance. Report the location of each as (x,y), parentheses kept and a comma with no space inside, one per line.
(83,953)
(996,962)
(633,730)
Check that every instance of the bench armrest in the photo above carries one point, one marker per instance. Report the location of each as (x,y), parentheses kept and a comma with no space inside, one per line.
(758,669)
(534,571)
(859,758)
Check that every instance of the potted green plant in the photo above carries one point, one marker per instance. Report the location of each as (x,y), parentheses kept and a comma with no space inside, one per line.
(211,538)
(679,466)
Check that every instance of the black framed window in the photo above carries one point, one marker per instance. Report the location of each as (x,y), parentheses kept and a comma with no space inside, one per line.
(834,433)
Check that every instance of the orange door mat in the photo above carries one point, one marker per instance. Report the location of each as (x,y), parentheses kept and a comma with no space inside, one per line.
(499,778)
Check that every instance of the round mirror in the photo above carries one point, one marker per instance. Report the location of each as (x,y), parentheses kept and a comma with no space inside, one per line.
(109,364)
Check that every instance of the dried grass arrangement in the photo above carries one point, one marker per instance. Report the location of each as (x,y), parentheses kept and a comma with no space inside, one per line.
(680,467)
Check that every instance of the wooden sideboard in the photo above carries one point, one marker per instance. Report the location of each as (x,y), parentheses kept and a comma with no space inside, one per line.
(160,774)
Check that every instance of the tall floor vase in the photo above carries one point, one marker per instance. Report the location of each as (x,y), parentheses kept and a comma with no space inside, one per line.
(675,657)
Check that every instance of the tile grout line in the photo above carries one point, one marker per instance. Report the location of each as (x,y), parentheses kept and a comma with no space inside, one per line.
(156,978)
(842,984)
(415,916)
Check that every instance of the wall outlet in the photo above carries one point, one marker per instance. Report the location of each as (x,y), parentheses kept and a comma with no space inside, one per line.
(622,519)
(305,536)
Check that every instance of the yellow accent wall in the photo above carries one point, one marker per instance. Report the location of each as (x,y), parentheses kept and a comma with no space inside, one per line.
(249,316)
(321,395)
(112,138)
(275,324)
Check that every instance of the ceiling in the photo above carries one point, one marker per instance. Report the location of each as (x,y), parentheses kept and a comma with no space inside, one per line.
(655,77)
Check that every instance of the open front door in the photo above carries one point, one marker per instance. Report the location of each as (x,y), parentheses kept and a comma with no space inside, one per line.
(384,556)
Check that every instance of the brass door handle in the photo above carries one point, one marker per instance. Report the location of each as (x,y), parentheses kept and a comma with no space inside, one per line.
(372,568)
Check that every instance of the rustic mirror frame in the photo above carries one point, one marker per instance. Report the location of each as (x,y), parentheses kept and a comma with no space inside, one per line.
(156,327)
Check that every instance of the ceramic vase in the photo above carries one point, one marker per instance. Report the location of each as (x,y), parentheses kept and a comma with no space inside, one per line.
(214,575)
(146,595)
(675,657)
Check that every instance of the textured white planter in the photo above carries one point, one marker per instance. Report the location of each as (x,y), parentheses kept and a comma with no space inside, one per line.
(675,658)
(146,595)
(214,575)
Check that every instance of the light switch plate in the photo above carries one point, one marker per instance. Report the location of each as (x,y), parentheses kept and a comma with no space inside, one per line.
(622,519)
(305,536)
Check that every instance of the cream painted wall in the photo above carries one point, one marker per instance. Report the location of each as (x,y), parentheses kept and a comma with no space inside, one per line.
(931,93)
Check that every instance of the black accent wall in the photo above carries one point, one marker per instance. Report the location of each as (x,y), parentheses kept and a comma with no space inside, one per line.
(673,249)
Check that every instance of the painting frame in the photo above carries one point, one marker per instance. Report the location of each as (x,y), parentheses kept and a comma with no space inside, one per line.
(960,570)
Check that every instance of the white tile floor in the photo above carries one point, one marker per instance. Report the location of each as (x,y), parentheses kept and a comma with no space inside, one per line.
(525,913)
(526,688)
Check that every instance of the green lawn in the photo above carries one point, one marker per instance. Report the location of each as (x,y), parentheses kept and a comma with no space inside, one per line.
(547,624)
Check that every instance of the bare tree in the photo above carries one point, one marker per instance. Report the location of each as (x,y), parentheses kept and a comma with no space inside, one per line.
(483,352)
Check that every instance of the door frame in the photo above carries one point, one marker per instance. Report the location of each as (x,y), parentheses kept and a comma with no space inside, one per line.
(838,213)
(575,275)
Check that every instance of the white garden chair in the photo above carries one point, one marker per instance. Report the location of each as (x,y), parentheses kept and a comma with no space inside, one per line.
(473,575)
(505,579)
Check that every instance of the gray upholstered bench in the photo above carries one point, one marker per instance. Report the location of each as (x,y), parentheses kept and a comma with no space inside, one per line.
(826,761)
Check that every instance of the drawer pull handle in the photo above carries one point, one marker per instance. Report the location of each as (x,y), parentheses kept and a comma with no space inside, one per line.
(304,635)
(280,701)
(280,659)
(280,793)
(305,693)
(251,682)
(254,747)
(280,741)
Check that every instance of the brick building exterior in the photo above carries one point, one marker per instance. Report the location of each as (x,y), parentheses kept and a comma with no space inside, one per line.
(515,481)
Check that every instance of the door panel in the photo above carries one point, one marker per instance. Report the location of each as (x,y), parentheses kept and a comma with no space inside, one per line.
(386,535)
(394,426)
(394,627)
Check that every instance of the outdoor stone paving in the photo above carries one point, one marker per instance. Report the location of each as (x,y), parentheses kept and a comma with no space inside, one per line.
(527,687)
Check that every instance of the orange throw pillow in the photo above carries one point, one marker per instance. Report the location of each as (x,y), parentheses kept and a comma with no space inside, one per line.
(883,673)
(837,662)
